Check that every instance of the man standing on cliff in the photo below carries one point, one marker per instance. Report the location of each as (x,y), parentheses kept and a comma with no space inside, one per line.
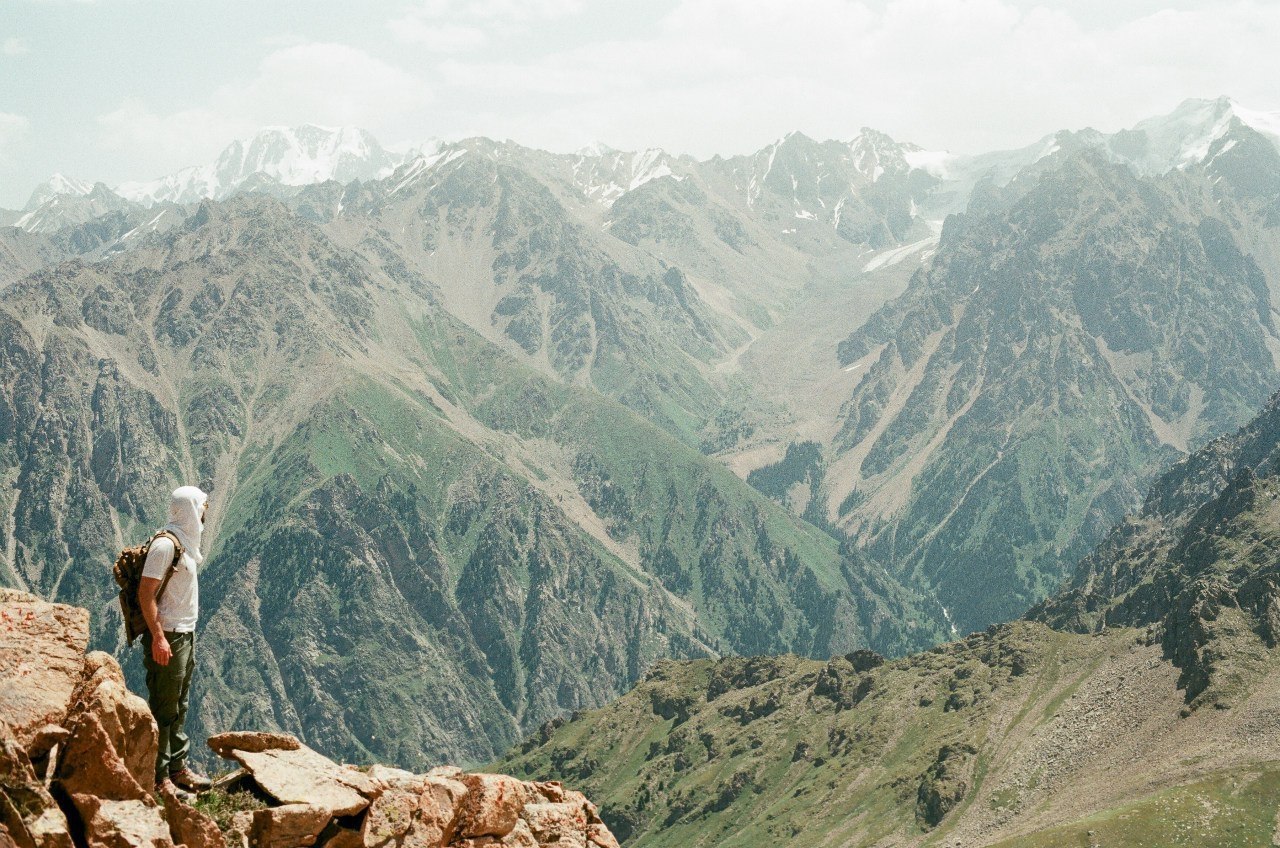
(169,643)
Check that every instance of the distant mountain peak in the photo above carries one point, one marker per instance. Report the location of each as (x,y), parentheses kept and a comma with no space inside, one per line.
(1185,136)
(291,156)
(57,184)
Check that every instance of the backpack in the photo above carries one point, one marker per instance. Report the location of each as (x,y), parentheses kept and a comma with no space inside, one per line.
(128,574)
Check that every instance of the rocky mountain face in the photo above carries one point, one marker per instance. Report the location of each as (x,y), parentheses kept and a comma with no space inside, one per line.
(1135,707)
(1073,332)
(421,547)
(77,754)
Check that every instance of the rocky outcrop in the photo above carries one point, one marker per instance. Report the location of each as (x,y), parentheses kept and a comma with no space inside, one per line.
(320,802)
(78,747)
(77,750)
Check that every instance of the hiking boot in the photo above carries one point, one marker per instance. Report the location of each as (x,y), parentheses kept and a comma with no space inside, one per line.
(166,788)
(189,780)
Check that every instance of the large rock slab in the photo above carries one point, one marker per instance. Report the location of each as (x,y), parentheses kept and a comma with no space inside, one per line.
(42,649)
(389,818)
(251,741)
(559,822)
(303,776)
(122,824)
(518,837)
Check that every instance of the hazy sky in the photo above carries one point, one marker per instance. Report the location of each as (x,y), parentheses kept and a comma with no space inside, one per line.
(127,89)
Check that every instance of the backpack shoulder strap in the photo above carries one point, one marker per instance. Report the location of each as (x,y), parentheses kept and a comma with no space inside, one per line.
(173,566)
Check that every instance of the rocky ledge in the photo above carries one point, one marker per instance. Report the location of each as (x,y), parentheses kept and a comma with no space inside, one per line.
(77,750)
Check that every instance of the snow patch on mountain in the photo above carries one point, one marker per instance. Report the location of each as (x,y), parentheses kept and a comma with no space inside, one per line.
(604,174)
(892,257)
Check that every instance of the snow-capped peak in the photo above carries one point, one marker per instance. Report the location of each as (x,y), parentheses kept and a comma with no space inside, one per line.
(875,154)
(58,184)
(1185,136)
(289,156)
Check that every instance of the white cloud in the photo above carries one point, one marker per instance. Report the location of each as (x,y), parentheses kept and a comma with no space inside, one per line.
(320,83)
(436,37)
(171,140)
(724,75)
(12,128)
(495,10)
(328,84)
(457,26)
(14,46)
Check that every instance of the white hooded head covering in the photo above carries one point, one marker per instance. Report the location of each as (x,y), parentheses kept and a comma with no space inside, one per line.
(186,519)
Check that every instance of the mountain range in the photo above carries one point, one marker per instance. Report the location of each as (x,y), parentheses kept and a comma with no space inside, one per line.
(491,430)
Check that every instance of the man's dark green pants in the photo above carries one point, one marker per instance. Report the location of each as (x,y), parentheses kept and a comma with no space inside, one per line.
(168,693)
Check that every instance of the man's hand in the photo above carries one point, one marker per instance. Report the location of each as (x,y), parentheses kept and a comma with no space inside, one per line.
(160,650)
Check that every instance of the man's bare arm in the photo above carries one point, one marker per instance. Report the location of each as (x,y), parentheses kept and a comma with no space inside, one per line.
(147,600)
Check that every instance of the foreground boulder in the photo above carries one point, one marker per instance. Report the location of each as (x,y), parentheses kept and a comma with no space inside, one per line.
(77,752)
(68,723)
(42,649)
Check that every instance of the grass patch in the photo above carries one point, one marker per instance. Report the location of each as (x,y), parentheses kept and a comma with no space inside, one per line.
(221,805)
(1234,809)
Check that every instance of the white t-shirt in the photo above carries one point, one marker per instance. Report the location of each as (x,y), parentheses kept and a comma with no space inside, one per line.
(180,605)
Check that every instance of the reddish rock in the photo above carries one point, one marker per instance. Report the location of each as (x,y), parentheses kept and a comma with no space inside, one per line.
(41,822)
(241,827)
(90,766)
(342,837)
(289,826)
(389,818)
(396,778)
(557,822)
(519,837)
(44,739)
(190,827)
(124,716)
(552,790)
(42,649)
(600,836)
(122,824)
(439,806)
(493,803)
(255,743)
